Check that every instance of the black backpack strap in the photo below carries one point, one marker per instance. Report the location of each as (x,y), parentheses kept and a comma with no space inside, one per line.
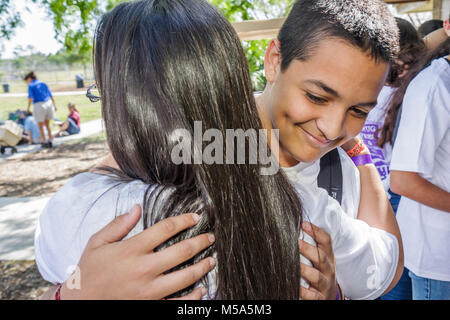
(330,175)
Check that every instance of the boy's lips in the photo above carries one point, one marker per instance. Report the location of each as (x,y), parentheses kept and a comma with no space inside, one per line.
(317,140)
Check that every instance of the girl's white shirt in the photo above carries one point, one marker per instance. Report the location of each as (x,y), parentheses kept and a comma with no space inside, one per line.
(366,257)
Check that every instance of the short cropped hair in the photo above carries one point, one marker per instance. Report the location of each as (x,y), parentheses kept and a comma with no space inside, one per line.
(366,24)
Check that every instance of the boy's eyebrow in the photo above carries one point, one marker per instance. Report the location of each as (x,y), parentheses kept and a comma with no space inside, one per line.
(324,87)
(368,104)
(334,93)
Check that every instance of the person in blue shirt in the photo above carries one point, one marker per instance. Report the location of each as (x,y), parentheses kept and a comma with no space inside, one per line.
(30,128)
(44,105)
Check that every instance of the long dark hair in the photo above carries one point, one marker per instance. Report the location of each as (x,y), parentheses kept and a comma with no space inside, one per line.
(160,66)
(429,26)
(412,51)
(387,132)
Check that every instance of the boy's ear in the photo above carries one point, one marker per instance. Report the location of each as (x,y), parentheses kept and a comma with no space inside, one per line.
(272,60)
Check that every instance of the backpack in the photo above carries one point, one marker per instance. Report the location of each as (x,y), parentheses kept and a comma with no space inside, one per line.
(330,175)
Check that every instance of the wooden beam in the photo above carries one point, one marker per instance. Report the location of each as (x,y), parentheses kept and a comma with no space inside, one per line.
(402,1)
(267,29)
(258,29)
(415,7)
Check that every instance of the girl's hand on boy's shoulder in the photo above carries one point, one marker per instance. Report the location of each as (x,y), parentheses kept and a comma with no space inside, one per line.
(130,269)
(322,275)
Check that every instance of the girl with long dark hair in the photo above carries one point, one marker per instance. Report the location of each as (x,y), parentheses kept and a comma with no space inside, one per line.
(161,67)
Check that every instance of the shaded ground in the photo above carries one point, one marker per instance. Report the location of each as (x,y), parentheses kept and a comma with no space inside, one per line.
(44,172)
(38,174)
(20,280)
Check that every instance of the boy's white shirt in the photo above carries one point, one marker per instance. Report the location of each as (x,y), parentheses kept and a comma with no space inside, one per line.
(423,146)
(366,257)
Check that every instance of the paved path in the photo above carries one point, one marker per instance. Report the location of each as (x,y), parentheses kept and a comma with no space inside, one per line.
(18,220)
(19,216)
(87,129)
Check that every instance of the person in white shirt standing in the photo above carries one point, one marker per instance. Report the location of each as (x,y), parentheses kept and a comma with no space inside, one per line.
(420,172)
(380,123)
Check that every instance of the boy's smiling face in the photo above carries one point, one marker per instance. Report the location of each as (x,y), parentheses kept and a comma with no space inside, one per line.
(322,102)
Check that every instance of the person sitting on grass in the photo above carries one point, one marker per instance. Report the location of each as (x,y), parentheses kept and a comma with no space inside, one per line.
(30,128)
(72,124)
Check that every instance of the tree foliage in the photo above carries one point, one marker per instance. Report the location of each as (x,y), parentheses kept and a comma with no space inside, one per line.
(239,10)
(10,19)
(74,23)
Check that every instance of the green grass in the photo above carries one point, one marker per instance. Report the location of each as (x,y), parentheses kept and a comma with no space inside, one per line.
(22,87)
(56,80)
(88,110)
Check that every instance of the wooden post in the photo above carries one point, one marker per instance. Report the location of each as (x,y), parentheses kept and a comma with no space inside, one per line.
(445,9)
(258,29)
(437,9)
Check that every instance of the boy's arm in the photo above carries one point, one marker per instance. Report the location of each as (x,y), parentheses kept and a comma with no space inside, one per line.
(375,209)
(414,187)
(435,39)
(50,293)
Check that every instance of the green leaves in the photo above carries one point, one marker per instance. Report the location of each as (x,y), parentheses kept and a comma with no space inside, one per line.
(239,10)
(74,23)
(9,19)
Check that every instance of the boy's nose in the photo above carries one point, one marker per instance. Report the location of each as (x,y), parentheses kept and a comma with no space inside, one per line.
(332,123)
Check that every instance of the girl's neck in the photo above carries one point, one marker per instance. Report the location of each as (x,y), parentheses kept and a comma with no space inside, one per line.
(106,162)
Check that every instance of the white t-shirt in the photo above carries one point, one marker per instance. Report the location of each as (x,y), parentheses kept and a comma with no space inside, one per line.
(366,257)
(381,156)
(423,146)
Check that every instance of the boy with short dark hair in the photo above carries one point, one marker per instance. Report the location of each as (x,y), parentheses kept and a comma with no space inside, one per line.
(324,73)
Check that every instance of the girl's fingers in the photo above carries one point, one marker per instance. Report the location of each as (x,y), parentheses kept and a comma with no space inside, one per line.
(181,279)
(178,253)
(314,254)
(197,294)
(310,294)
(322,238)
(315,278)
(117,229)
(160,232)
(320,235)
